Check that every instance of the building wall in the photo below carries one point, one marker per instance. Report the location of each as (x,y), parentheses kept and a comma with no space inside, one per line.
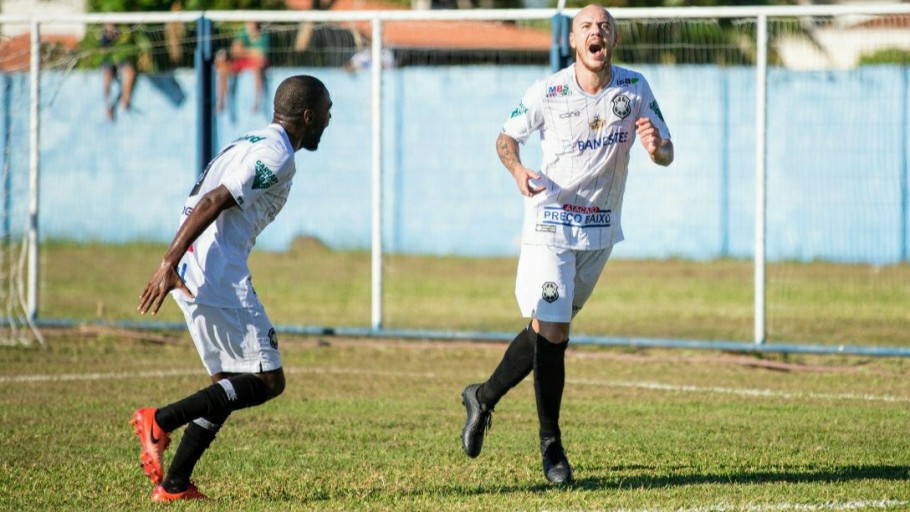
(837,162)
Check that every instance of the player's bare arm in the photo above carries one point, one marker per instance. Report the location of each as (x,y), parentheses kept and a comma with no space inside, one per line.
(507,149)
(165,277)
(659,149)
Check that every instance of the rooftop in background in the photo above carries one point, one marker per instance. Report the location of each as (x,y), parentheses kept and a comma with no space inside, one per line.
(15,51)
(413,42)
(842,43)
(464,35)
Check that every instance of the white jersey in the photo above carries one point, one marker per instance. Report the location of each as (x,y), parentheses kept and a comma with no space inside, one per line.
(585,142)
(257,170)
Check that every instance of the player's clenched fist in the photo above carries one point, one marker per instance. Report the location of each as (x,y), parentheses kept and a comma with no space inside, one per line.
(648,134)
(659,149)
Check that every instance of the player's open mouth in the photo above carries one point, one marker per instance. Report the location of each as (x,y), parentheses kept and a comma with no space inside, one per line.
(595,49)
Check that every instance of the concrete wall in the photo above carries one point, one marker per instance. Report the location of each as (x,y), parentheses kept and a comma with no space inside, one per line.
(837,162)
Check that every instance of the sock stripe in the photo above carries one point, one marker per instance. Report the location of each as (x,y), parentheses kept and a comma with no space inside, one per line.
(229,389)
(206,424)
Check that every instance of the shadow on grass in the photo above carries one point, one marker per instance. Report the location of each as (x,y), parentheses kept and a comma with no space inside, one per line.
(795,475)
(618,480)
(621,481)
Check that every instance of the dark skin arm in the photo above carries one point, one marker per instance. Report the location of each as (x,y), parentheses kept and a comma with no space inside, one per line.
(165,277)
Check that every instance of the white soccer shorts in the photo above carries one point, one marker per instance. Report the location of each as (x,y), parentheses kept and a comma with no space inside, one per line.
(232,340)
(553,284)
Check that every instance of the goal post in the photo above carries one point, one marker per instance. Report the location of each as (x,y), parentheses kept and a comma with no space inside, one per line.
(19,203)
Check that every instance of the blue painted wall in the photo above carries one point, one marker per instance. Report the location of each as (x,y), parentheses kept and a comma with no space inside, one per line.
(837,162)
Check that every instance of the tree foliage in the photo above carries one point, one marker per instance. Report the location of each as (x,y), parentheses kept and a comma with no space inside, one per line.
(886,56)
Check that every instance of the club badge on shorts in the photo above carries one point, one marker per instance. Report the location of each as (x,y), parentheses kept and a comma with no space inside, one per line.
(550,292)
(273,338)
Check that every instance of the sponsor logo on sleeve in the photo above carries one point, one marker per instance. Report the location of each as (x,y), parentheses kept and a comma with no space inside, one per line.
(627,81)
(654,108)
(519,110)
(265,178)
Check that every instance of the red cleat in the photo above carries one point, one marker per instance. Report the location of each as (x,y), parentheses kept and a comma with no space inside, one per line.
(153,440)
(159,495)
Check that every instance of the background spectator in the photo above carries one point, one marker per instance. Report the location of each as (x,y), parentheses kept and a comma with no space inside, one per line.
(249,50)
(118,63)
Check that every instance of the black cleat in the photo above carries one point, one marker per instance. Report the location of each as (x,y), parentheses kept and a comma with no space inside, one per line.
(478,421)
(555,464)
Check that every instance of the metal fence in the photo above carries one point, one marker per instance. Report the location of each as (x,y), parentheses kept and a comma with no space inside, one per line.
(775,165)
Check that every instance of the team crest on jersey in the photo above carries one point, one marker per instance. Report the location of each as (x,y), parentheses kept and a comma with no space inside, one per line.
(597,123)
(622,106)
(550,292)
(273,338)
(265,178)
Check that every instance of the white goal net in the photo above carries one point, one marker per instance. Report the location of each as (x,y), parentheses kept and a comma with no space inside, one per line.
(16,245)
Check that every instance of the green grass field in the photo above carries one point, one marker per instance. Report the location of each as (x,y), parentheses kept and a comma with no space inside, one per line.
(374,425)
(310,285)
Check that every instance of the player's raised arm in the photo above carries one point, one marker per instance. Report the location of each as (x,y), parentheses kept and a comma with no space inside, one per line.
(165,277)
(507,149)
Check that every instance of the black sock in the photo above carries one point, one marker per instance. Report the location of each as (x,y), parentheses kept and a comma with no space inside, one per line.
(197,437)
(516,364)
(549,381)
(221,398)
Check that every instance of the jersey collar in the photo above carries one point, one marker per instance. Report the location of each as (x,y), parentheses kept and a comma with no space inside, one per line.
(284,136)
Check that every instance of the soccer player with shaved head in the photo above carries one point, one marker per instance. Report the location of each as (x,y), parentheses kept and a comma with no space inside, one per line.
(588,116)
(205,270)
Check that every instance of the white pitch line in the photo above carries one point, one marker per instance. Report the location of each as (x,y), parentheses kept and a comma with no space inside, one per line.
(652,386)
(760,393)
(780,507)
(68,377)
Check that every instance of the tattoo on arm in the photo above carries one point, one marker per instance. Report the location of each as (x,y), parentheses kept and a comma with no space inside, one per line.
(507,148)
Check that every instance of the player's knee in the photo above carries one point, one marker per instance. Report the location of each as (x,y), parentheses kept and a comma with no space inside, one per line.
(276,389)
(553,332)
(274,382)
